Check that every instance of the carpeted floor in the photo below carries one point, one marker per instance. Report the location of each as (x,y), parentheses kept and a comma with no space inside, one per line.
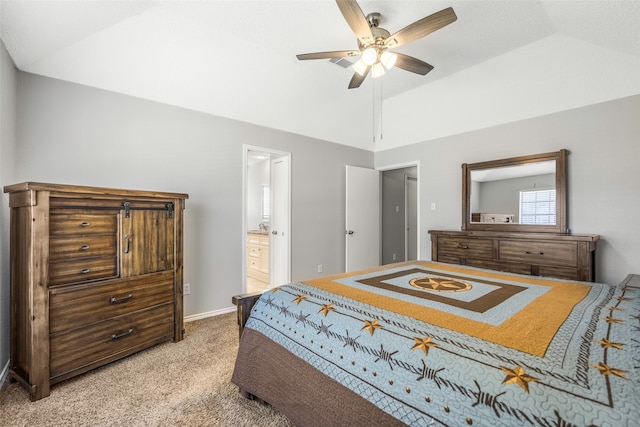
(172,384)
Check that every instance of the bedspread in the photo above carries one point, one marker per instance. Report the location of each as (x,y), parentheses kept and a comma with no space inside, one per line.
(431,343)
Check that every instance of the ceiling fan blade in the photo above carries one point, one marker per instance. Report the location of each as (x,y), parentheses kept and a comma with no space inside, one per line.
(422,27)
(412,64)
(356,20)
(357,79)
(325,55)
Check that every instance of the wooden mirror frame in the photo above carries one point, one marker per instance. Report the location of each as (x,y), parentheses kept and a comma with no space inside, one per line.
(560,227)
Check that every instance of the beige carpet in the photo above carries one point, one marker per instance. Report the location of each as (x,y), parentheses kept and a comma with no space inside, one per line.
(172,384)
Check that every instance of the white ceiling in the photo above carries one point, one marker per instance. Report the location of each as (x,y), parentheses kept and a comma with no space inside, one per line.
(500,61)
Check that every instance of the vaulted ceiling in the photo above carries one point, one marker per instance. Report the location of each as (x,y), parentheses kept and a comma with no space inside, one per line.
(500,61)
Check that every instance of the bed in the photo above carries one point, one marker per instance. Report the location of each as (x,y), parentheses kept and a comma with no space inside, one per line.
(425,343)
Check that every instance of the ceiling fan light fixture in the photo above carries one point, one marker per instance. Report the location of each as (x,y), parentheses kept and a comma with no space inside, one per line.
(388,59)
(377,70)
(369,56)
(360,67)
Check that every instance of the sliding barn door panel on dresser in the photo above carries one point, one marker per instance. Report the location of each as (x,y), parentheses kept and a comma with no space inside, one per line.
(96,275)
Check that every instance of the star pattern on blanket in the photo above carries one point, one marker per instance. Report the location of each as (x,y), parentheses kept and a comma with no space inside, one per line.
(439,284)
(608,370)
(423,344)
(610,319)
(326,308)
(384,363)
(518,376)
(371,325)
(605,343)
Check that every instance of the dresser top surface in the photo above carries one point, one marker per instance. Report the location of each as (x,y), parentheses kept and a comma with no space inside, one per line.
(518,235)
(79,189)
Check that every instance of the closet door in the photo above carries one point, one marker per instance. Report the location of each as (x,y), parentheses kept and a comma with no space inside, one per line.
(147,241)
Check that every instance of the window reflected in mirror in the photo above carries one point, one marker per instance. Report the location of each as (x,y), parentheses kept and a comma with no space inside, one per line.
(514,194)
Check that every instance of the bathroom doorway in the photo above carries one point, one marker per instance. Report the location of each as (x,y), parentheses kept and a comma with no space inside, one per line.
(266,219)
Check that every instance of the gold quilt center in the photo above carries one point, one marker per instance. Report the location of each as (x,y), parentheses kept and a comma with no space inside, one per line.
(439,284)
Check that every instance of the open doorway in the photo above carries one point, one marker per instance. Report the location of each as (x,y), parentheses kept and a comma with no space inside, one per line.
(400,237)
(267,227)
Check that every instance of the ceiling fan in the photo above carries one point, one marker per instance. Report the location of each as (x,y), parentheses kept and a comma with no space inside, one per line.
(374,42)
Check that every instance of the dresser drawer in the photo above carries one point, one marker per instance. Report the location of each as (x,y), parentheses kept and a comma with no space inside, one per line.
(539,253)
(76,306)
(83,224)
(560,272)
(65,248)
(82,270)
(79,347)
(466,248)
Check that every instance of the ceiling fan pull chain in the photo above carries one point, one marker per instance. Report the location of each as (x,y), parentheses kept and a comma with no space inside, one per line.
(376,110)
(380,106)
(373,110)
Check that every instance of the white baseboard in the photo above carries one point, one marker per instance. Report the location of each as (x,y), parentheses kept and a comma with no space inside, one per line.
(209,314)
(4,374)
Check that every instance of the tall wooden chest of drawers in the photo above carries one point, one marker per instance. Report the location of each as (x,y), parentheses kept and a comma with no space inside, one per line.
(566,256)
(96,275)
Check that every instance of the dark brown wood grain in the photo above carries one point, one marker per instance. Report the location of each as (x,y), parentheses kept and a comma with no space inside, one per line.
(244,304)
(78,300)
(566,256)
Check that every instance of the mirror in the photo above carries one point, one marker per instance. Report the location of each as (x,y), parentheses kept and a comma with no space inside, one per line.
(525,193)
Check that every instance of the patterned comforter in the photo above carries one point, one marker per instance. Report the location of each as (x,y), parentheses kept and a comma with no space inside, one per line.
(437,344)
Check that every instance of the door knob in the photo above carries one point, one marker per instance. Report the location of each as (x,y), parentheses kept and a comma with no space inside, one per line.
(349,232)
(274,232)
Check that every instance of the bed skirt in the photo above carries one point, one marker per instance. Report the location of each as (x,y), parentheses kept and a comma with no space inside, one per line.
(307,397)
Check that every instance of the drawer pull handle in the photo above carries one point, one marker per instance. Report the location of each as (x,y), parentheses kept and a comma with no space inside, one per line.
(124,334)
(534,253)
(463,247)
(85,224)
(85,270)
(84,248)
(126,239)
(114,300)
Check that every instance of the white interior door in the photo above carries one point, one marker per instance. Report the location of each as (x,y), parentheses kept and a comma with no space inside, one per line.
(362,218)
(279,241)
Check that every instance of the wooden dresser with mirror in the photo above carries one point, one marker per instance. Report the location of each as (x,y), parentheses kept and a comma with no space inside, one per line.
(514,219)
(96,275)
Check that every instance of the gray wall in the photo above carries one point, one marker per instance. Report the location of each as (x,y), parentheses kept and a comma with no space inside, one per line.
(8,79)
(603,174)
(74,134)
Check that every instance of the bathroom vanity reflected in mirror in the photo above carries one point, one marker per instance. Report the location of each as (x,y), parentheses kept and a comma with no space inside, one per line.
(525,193)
